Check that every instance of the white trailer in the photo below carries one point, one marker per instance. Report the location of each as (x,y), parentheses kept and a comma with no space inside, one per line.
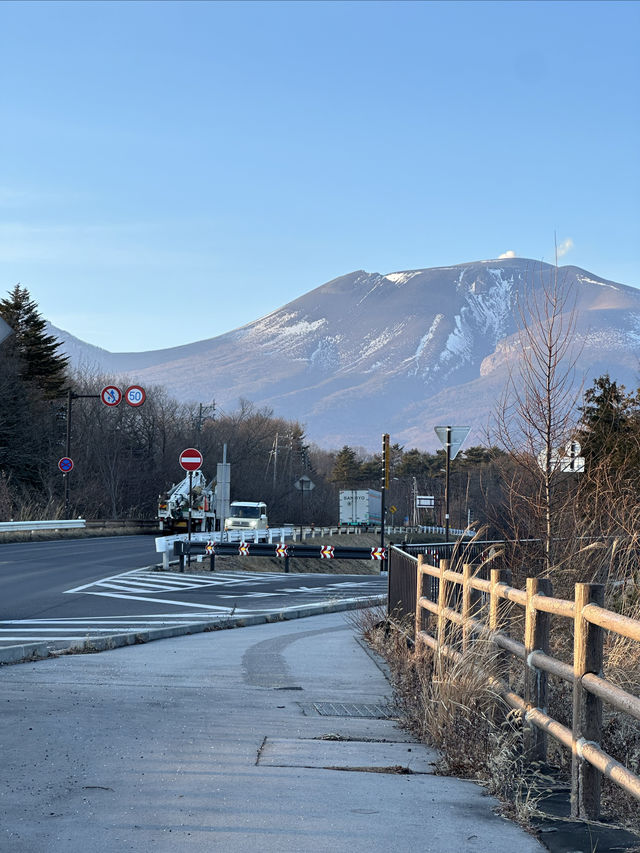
(360,507)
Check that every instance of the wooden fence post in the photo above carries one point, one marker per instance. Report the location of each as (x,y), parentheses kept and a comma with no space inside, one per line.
(419,619)
(467,607)
(587,708)
(499,613)
(443,596)
(536,638)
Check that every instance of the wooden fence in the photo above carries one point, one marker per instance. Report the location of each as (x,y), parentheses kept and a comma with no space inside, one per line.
(481,607)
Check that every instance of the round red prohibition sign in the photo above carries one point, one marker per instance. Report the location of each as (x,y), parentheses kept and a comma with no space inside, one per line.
(135,395)
(65,464)
(190,459)
(111,395)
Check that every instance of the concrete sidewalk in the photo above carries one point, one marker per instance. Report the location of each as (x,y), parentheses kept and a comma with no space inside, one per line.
(237,740)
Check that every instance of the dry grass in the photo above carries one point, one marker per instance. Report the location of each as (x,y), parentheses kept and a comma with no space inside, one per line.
(449,705)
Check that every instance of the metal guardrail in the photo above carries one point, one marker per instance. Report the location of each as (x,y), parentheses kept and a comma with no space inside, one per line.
(120,523)
(165,544)
(57,524)
(461,616)
(281,550)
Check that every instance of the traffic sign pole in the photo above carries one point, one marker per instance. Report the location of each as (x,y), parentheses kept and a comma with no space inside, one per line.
(189,520)
(111,396)
(66,477)
(190,461)
(452,439)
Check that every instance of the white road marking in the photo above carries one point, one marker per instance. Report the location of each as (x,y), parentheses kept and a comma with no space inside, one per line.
(93,583)
(163,601)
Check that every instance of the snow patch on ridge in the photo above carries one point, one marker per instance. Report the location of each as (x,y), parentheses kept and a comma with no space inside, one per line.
(425,340)
(401,278)
(284,335)
(371,345)
(326,355)
(593,281)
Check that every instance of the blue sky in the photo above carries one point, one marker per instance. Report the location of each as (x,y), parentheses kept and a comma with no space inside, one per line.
(170,171)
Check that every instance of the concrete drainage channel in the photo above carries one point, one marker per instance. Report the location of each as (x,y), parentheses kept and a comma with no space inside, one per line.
(90,644)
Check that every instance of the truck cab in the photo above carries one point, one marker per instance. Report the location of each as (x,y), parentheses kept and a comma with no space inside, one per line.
(247,515)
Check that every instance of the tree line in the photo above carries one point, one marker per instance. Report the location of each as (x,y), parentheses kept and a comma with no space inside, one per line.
(125,457)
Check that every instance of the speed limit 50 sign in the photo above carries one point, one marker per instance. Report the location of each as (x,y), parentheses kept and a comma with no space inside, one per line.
(135,395)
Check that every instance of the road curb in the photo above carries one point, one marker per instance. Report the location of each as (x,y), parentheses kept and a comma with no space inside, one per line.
(28,652)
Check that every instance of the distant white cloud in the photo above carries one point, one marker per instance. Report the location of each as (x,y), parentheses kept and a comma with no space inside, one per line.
(509,254)
(565,246)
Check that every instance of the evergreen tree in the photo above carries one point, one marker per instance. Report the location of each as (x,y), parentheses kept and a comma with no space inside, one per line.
(41,364)
(609,418)
(346,471)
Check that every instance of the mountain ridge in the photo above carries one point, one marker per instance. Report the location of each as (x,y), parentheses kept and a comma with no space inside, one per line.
(367,353)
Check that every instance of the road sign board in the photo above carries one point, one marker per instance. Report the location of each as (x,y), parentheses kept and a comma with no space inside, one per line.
(65,464)
(304,484)
(135,395)
(393,509)
(425,501)
(111,395)
(457,436)
(554,460)
(190,459)
(572,464)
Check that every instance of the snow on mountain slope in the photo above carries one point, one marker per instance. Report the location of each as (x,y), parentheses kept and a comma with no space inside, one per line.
(368,353)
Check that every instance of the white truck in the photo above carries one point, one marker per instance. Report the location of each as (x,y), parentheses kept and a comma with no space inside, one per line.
(360,507)
(173,506)
(247,515)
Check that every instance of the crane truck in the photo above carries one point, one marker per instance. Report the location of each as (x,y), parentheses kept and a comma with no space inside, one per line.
(173,506)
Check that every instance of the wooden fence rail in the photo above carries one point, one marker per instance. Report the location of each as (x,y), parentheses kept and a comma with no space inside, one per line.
(482,607)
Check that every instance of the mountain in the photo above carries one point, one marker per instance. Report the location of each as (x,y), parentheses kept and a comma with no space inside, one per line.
(368,353)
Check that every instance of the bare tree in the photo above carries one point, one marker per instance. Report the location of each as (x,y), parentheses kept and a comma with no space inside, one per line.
(537,413)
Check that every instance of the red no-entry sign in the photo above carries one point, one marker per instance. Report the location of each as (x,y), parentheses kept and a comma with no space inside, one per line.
(190,459)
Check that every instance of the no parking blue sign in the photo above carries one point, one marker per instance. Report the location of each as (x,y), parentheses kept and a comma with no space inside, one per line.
(65,464)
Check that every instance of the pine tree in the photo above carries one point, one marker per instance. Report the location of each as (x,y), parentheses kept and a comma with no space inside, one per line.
(41,364)
(346,470)
(609,418)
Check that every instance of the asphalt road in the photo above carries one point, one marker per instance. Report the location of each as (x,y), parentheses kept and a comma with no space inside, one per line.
(69,588)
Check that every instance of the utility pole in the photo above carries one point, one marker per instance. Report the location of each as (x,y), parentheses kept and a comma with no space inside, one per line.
(274,455)
(205,412)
